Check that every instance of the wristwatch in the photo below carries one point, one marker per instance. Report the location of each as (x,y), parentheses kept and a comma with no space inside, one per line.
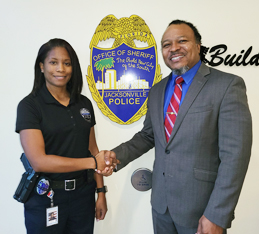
(103,189)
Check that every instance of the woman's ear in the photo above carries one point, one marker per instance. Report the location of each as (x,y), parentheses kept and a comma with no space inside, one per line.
(41,67)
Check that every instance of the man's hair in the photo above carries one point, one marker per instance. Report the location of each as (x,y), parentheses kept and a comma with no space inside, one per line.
(74,86)
(197,35)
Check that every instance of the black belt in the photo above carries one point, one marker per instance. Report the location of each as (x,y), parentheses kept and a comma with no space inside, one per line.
(72,184)
(68,185)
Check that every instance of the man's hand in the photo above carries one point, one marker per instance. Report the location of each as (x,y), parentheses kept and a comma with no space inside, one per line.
(207,227)
(106,162)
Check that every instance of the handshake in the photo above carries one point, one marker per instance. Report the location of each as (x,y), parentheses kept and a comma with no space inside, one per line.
(106,162)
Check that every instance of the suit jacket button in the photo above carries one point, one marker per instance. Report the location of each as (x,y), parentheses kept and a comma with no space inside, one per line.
(167,151)
(163,174)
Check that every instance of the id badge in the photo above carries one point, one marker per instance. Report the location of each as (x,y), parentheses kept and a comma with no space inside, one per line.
(52,216)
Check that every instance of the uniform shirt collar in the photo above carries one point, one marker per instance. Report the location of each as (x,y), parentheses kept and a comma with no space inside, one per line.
(48,98)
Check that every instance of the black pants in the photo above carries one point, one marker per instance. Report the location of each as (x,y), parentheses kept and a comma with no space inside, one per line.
(76,211)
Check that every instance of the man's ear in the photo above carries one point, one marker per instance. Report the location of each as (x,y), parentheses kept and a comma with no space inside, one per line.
(199,47)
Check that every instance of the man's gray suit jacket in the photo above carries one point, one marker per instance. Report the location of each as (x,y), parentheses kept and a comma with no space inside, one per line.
(200,171)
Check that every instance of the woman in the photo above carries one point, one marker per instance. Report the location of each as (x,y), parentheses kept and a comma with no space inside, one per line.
(56,126)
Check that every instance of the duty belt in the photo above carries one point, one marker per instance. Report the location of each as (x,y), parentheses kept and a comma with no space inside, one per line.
(72,184)
(68,185)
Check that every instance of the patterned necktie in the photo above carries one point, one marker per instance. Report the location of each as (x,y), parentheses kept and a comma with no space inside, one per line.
(173,107)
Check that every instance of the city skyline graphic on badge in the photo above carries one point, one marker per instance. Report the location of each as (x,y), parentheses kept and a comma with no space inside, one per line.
(123,67)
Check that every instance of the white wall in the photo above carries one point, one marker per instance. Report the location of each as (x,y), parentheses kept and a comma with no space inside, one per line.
(26,25)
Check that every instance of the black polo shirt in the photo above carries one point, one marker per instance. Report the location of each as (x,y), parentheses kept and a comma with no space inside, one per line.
(65,130)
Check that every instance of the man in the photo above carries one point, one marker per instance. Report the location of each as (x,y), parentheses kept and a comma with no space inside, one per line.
(202,156)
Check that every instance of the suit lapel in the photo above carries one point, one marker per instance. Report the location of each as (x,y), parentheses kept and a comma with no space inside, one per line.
(198,83)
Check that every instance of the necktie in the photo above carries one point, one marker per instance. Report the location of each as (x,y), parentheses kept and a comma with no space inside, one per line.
(173,107)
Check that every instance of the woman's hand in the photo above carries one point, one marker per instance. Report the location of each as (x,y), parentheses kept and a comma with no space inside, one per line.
(100,207)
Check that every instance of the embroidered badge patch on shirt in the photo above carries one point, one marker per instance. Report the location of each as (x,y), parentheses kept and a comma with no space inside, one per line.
(85,114)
